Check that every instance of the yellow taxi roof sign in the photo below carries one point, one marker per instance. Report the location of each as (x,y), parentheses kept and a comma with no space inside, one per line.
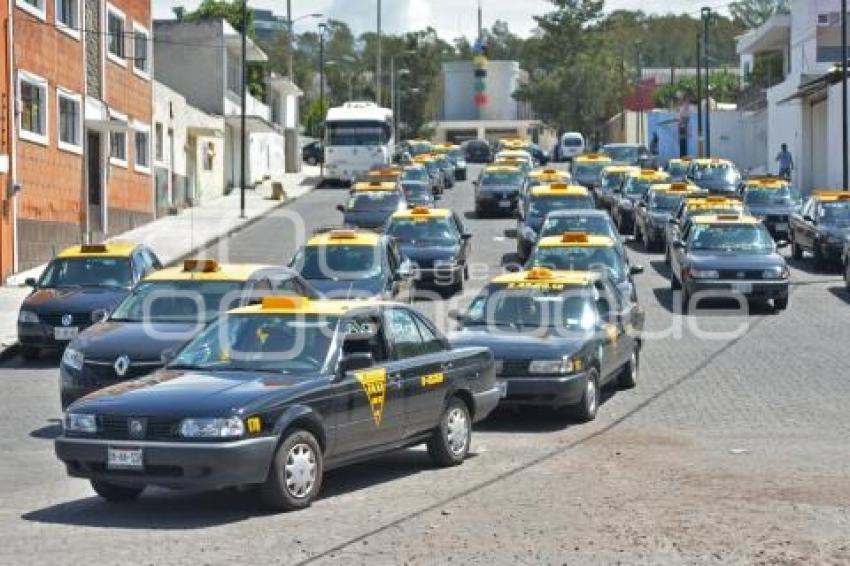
(342,234)
(284,302)
(502,168)
(544,277)
(364,186)
(201,265)
(539,273)
(679,187)
(115,248)
(831,195)
(423,210)
(575,237)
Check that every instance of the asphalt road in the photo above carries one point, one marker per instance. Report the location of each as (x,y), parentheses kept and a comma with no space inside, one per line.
(732,449)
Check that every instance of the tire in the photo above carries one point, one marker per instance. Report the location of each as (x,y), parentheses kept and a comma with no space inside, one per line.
(667,256)
(115,493)
(684,299)
(796,250)
(585,410)
(847,275)
(30,353)
(295,477)
(820,261)
(780,304)
(312,161)
(449,443)
(675,284)
(629,376)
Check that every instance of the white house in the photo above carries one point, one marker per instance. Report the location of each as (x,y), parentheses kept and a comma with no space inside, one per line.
(790,61)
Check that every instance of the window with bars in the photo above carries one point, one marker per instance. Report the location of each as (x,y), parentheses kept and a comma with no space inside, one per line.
(69,120)
(33,110)
(143,158)
(115,34)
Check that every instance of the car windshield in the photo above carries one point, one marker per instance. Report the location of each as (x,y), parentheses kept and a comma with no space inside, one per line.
(573,142)
(415,174)
(420,148)
(178,301)
(760,196)
(372,201)
(666,202)
(593,225)
(677,170)
(835,212)
(357,133)
(577,258)
(338,262)
(588,172)
(495,178)
(412,231)
(545,205)
(87,272)
(612,181)
(621,153)
(535,307)
(725,173)
(731,237)
(636,187)
(416,192)
(258,342)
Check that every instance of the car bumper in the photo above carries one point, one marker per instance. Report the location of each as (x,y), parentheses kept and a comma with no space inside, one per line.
(440,274)
(554,391)
(758,289)
(38,335)
(176,465)
(492,203)
(485,402)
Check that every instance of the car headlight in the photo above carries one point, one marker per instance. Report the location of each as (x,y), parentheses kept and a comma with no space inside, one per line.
(776,273)
(566,365)
(461,164)
(529,234)
(73,358)
(75,422)
(27,317)
(445,263)
(212,428)
(704,273)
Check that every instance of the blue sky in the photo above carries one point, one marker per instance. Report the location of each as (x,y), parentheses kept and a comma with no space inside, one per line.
(451,18)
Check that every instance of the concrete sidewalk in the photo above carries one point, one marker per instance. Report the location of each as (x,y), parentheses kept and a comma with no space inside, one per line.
(172,238)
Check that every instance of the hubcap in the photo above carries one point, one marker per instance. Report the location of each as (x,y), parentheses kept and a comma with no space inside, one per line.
(457,431)
(633,367)
(300,470)
(591,396)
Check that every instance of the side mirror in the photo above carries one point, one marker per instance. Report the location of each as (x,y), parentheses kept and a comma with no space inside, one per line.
(356,361)
(782,244)
(642,204)
(678,244)
(475,182)
(405,271)
(513,267)
(340,208)
(438,197)
(636,269)
(30,282)
(808,218)
(466,236)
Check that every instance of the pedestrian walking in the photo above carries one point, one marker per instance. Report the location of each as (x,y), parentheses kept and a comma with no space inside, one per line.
(785,161)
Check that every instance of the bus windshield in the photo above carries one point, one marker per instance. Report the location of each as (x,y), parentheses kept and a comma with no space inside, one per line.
(357,133)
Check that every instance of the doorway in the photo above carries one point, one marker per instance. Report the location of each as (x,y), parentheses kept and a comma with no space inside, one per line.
(95,184)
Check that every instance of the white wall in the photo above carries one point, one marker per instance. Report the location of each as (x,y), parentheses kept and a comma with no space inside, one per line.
(267,157)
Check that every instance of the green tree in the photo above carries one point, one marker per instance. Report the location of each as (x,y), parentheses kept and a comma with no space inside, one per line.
(724,87)
(314,118)
(753,13)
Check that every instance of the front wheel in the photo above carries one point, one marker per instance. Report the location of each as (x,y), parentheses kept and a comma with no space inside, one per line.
(796,250)
(312,161)
(30,353)
(115,493)
(629,376)
(295,477)
(585,410)
(780,304)
(449,443)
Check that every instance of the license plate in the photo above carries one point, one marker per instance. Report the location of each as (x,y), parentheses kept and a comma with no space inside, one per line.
(503,388)
(65,332)
(124,458)
(504,204)
(743,288)
(783,226)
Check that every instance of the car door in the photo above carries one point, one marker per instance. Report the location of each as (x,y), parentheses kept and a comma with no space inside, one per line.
(809,226)
(438,371)
(465,244)
(369,407)
(622,335)
(608,355)
(678,253)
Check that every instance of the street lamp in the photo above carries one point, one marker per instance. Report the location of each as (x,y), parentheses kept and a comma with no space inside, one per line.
(706,17)
(699,96)
(844,127)
(323,30)
(243,109)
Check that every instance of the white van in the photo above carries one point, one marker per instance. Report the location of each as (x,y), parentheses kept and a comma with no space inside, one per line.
(572,144)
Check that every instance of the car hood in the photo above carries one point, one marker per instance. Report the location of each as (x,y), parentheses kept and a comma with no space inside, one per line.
(429,252)
(73,300)
(367,219)
(734,260)
(178,393)
(506,344)
(719,186)
(339,289)
(766,210)
(499,189)
(139,341)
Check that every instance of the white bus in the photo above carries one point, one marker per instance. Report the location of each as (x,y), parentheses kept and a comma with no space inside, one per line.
(358,137)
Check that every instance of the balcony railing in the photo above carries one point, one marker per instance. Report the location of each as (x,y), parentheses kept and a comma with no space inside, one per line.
(253,107)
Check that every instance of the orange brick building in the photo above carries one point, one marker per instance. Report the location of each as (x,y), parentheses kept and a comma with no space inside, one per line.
(6,200)
(82,162)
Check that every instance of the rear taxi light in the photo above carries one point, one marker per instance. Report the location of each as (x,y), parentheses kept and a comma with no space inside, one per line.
(420,210)
(679,187)
(200,265)
(284,302)
(93,249)
(539,273)
(728,217)
(575,237)
(343,234)
(559,186)
(550,171)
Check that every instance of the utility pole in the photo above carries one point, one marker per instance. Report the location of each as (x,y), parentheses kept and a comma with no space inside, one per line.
(480,21)
(699,96)
(392,93)
(706,17)
(291,62)
(379,71)
(844,126)
(322,28)
(242,120)
(639,92)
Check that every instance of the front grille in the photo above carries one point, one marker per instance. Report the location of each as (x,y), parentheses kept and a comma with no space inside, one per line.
(425,263)
(741,273)
(514,368)
(117,428)
(79,319)
(104,373)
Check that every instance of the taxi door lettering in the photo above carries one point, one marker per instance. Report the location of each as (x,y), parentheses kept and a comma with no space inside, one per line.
(432,379)
(374,383)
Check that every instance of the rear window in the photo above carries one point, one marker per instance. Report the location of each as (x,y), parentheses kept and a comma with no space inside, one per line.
(573,142)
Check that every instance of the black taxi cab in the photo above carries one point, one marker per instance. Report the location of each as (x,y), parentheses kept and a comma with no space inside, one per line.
(773,200)
(78,288)
(160,314)
(715,175)
(362,264)
(727,255)
(654,210)
(580,251)
(635,186)
(371,203)
(822,227)
(610,184)
(498,189)
(274,395)
(558,337)
(542,200)
(435,241)
(587,168)
(697,205)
